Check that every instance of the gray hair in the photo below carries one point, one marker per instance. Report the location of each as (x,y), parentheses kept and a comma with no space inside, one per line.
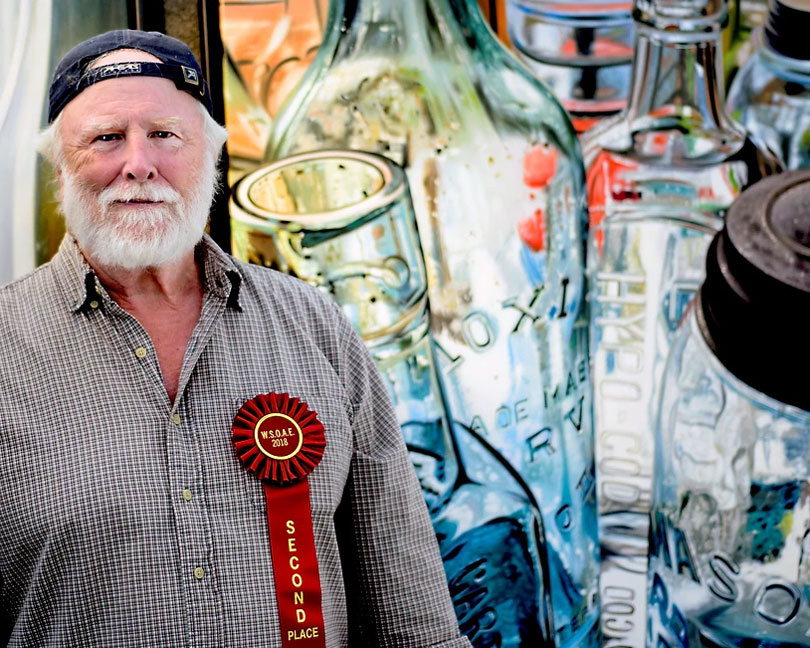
(50,139)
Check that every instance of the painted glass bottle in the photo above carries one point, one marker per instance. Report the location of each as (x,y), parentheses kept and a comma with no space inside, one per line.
(730,535)
(343,221)
(497,184)
(770,95)
(660,178)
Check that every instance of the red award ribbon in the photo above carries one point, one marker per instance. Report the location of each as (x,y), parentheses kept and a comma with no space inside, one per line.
(280,440)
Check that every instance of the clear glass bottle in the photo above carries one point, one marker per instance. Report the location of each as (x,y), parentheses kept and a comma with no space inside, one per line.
(730,536)
(660,178)
(770,95)
(582,50)
(745,17)
(343,221)
(498,189)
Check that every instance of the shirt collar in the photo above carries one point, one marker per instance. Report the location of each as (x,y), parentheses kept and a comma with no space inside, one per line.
(221,276)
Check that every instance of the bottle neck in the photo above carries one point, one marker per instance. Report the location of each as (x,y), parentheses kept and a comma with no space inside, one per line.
(408,365)
(398,26)
(789,68)
(679,75)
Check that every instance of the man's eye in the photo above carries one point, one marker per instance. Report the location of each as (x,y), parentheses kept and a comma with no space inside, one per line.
(108,137)
(163,134)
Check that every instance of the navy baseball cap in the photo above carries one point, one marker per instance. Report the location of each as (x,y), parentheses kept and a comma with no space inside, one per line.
(179,65)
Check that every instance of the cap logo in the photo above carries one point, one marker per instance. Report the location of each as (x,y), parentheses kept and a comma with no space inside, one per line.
(190,75)
(117,69)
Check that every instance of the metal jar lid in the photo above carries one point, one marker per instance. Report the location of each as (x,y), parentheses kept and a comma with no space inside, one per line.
(787,26)
(754,305)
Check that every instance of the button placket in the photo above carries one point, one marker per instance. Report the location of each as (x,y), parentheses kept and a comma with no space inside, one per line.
(192,524)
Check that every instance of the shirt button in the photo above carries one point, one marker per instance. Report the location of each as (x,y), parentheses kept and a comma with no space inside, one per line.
(187,494)
(141,352)
(176,419)
(199,573)
(94,304)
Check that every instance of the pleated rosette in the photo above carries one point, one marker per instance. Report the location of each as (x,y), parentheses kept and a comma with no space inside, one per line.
(278,438)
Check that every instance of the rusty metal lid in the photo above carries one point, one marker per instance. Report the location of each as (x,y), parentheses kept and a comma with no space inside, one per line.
(786,27)
(754,305)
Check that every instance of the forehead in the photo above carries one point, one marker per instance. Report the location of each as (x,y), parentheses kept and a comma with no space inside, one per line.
(131,100)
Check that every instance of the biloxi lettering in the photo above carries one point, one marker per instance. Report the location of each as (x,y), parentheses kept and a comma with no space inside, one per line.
(526,312)
(480,334)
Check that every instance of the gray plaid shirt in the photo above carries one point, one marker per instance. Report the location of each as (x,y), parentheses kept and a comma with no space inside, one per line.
(126,520)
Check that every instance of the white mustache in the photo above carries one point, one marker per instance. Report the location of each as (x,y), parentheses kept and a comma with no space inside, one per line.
(142,193)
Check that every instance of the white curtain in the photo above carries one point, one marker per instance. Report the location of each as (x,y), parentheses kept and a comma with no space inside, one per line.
(25,28)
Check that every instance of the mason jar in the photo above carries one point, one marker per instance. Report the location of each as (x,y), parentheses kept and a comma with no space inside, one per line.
(730,520)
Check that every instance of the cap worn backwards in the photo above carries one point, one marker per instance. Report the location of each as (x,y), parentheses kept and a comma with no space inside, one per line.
(71,76)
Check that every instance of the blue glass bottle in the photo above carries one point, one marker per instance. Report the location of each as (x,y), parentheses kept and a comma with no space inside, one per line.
(730,532)
(490,535)
(343,221)
(496,179)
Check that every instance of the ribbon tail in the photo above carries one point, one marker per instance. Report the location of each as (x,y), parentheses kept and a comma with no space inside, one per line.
(295,565)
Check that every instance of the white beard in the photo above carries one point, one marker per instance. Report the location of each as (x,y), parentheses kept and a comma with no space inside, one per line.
(112,235)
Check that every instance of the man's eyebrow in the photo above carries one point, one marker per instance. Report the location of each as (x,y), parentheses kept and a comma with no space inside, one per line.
(95,128)
(170,123)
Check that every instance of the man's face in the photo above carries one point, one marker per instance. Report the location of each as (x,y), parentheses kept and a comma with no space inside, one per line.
(138,180)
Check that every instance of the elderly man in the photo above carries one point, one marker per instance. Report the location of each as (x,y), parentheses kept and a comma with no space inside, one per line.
(194,451)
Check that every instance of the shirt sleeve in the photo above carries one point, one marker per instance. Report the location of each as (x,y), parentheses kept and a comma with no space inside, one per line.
(397,592)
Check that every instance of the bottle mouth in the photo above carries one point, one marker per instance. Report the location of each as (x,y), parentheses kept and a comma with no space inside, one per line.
(592,13)
(343,221)
(752,307)
(692,16)
(584,34)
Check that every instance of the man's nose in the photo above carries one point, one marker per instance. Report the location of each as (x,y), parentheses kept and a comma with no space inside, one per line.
(138,163)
